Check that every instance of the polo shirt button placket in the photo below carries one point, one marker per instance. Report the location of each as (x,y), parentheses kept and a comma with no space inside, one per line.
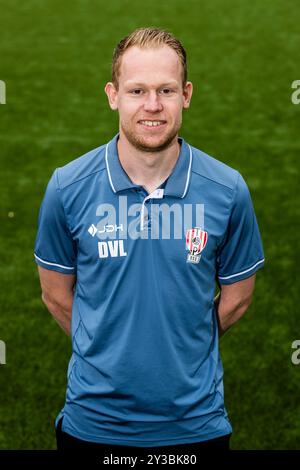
(147,218)
(156,194)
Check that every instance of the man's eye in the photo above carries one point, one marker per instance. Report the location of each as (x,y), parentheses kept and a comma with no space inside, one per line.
(136,92)
(164,91)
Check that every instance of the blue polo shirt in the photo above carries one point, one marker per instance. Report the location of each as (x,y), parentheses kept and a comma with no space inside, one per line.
(145,369)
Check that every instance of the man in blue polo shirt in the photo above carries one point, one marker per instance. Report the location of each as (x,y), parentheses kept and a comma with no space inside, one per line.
(132,239)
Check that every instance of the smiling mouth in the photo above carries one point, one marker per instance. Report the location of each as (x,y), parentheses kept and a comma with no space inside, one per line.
(152,123)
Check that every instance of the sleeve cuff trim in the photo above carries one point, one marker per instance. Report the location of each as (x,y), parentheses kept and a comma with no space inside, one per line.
(52,264)
(243,272)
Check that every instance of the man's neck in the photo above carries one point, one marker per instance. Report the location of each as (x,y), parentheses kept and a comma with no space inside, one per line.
(147,169)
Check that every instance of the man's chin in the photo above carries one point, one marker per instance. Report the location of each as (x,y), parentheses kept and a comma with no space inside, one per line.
(150,143)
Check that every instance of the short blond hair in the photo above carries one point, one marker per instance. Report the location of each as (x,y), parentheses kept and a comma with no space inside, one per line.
(147,37)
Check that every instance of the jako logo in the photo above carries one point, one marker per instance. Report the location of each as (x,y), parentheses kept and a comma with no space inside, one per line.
(2,352)
(111,248)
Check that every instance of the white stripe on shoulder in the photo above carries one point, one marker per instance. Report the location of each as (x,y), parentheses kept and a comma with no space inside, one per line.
(52,264)
(188,173)
(243,272)
(108,170)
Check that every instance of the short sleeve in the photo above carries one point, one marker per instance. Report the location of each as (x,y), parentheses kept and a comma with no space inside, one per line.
(54,247)
(241,252)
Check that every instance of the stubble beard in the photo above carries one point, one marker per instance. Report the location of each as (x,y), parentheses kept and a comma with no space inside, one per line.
(143,145)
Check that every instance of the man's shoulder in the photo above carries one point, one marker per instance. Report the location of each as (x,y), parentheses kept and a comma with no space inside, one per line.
(216,171)
(82,167)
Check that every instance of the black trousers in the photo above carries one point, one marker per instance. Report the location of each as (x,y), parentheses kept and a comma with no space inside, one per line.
(67,442)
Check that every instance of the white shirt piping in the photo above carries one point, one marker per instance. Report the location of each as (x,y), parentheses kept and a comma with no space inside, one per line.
(243,272)
(52,264)
(188,173)
(108,170)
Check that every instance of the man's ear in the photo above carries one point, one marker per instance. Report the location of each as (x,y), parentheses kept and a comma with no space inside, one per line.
(112,95)
(187,94)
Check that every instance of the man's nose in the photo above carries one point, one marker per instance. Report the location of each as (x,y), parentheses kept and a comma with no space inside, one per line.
(152,102)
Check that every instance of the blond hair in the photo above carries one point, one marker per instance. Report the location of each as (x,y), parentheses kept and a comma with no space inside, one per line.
(147,37)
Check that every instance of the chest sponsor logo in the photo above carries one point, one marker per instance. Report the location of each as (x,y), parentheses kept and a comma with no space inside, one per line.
(196,239)
(108,228)
(110,248)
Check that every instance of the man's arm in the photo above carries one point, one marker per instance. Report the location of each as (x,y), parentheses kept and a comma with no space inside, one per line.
(232,302)
(57,295)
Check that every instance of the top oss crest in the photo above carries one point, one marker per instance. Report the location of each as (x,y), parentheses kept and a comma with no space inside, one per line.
(196,239)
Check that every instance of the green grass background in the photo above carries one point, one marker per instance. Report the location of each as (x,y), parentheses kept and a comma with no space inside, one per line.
(243,56)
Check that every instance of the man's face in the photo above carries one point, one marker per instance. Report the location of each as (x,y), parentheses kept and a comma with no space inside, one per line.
(150,97)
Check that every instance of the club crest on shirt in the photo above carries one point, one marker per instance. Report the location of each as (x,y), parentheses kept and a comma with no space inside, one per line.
(196,239)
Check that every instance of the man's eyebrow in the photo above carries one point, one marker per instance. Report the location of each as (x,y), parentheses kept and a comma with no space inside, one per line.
(137,84)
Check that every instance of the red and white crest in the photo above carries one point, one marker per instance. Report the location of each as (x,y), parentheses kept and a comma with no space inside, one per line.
(196,240)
